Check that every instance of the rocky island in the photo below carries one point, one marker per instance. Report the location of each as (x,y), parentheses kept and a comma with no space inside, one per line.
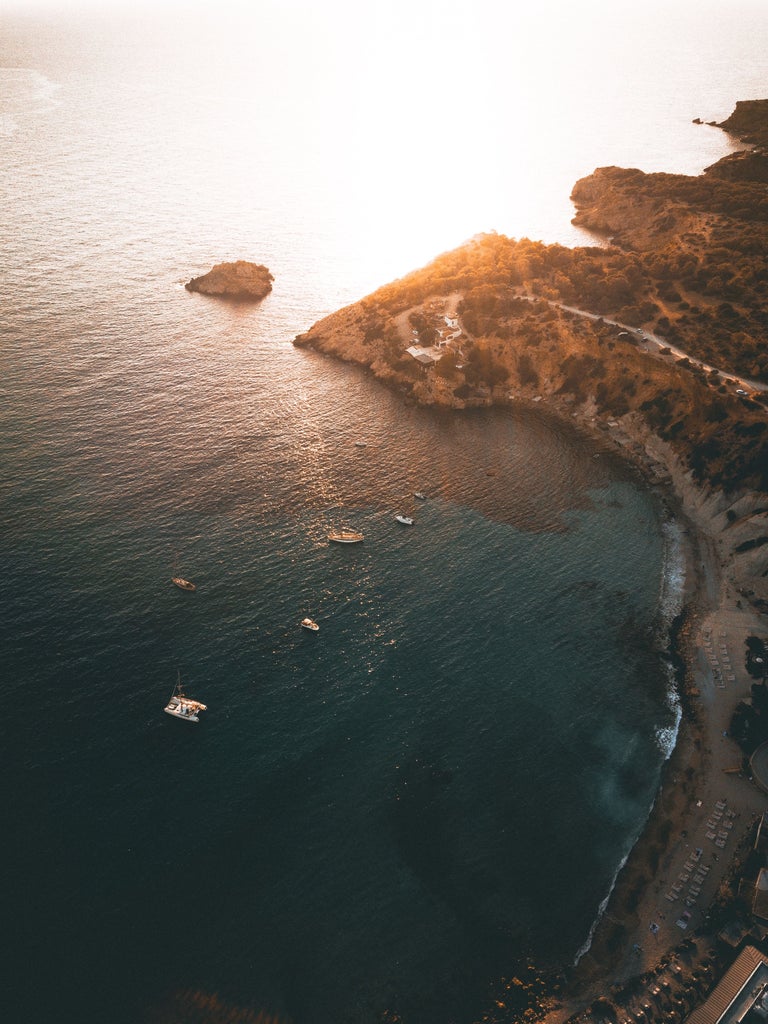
(241,280)
(654,341)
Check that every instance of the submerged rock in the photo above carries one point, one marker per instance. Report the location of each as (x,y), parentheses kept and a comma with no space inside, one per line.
(240,280)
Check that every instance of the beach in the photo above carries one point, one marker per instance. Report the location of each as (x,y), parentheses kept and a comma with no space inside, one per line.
(706,806)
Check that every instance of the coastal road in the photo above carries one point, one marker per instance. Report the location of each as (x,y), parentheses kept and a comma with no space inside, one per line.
(653,344)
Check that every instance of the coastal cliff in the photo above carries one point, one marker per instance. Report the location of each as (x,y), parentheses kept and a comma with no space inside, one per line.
(724,206)
(661,344)
(748,122)
(634,210)
(492,323)
(240,280)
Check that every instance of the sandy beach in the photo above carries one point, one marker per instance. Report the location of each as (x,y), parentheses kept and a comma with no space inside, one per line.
(705,807)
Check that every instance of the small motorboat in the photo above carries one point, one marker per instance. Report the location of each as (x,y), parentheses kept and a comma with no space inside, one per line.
(183,584)
(309,624)
(361,444)
(405,520)
(420,495)
(345,537)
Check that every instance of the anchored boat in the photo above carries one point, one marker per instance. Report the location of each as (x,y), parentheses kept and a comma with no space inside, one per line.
(182,583)
(181,706)
(345,537)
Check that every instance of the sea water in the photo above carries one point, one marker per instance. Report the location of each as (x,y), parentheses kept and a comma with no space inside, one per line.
(443,782)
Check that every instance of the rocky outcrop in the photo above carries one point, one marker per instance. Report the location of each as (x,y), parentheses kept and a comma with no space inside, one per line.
(749,122)
(649,212)
(247,282)
(634,209)
(742,166)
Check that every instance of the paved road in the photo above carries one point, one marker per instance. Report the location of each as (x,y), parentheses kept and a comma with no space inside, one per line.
(653,343)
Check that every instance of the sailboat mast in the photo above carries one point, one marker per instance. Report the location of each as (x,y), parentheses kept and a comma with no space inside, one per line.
(177,688)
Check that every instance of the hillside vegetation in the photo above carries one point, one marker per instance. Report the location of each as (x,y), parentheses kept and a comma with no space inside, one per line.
(690,267)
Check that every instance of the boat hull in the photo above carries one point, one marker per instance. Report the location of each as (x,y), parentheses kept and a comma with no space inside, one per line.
(183,584)
(190,717)
(181,706)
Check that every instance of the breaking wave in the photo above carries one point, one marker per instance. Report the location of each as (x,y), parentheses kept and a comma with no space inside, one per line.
(671,596)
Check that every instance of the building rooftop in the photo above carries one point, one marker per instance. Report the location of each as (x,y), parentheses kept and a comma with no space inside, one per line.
(743,988)
(423,355)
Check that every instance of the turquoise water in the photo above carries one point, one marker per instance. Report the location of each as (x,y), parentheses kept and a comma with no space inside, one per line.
(390,814)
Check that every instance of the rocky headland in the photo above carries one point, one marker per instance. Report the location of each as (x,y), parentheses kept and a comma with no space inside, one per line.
(659,343)
(655,341)
(241,280)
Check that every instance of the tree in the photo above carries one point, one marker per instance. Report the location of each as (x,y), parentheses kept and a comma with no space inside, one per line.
(446,366)
(526,370)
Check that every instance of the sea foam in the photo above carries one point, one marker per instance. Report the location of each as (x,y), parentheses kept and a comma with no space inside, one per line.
(671,595)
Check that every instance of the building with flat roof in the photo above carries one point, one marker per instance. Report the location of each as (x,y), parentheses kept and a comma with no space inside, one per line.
(740,996)
(425,356)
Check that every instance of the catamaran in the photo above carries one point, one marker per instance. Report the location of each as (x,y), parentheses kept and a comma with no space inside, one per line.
(181,706)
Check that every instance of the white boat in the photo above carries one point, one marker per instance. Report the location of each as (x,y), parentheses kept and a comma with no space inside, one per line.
(420,495)
(183,584)
(405,520)
(361,444)
(345,537)
(310,624)
(181,706)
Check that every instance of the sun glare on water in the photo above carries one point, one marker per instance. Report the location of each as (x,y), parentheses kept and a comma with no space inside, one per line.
(418,124)
(432,122)
(416,113)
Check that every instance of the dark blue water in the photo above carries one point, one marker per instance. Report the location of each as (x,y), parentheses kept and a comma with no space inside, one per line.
(390,814)
(442,779)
